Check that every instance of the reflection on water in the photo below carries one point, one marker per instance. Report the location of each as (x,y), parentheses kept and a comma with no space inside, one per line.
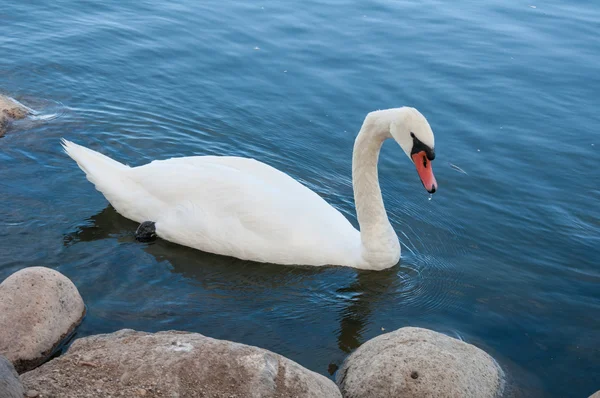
(224,275)
(363,295)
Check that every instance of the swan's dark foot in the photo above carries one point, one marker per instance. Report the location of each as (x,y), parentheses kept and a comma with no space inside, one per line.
(146,232)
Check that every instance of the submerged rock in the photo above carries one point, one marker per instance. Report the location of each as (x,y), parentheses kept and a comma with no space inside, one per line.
(173,364)
(10,110)
(10,385)
(39,308)
(415,362)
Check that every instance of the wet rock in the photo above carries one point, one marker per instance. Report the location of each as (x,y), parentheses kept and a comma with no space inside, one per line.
(3,125)
(415,362)
(10,385)
(174,364)
(39,308)
(10,110)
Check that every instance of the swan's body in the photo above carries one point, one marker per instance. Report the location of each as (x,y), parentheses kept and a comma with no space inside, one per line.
(244,208)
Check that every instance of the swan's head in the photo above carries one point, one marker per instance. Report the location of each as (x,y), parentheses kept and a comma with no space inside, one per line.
(412,132)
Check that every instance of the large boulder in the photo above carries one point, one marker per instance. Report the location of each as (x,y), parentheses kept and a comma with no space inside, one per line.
(173,364)
(39,308)
(10,385)
(10,110)
(415,362)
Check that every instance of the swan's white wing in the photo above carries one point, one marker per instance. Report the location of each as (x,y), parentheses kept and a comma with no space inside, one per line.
(243,208)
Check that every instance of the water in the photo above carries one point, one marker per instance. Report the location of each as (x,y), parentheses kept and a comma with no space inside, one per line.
(505,256)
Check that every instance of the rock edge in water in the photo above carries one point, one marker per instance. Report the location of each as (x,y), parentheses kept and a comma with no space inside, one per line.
(39,308)
(174,363)
(415,362)
(10,110)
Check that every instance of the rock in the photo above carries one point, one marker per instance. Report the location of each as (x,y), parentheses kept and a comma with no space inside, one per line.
(415,362)
(10,385)
(3,125)
(174,364)
(10,110)
(595,395)
(39,308)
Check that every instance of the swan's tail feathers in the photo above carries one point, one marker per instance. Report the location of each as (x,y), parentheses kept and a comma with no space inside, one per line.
(99,169)
(90,161)
(113,179)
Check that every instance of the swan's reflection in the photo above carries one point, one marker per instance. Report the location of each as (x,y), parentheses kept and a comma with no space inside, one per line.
(304,289)
(366,293)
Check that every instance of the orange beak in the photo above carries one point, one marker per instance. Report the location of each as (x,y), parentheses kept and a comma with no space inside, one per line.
(425,171)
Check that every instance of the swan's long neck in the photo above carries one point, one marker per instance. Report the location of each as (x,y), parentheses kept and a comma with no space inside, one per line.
(380,246)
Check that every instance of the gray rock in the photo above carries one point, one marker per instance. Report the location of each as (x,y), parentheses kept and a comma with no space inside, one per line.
(415,362)
(39,308)
(173,364)
(10,110)
(595,395)
(10,385)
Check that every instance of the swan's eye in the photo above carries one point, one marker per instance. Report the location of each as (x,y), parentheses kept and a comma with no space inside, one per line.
(418,146)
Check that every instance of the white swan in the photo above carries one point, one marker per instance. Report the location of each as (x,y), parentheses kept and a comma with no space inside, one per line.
(246,209)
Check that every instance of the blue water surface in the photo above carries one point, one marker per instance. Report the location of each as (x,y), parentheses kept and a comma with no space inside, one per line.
(505,256)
